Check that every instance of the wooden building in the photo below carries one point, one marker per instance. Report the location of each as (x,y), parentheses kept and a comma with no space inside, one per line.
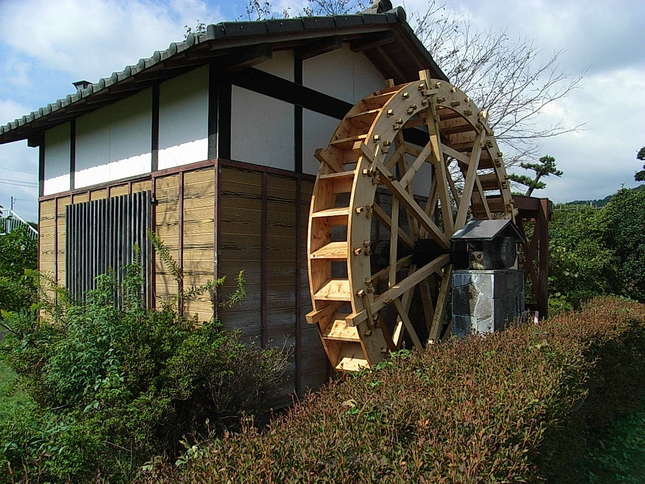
(216,134)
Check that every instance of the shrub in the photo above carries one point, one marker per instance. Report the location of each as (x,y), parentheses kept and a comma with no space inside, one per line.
(598,251)
(17,253)
(117,384)
(581,265)
(625,225)
(490,409)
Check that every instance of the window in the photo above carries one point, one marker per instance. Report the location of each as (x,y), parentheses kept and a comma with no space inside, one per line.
(101,236)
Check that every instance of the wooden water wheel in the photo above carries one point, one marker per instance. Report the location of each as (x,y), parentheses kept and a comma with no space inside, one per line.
(383,210)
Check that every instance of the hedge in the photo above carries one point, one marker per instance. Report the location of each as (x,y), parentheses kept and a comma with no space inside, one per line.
(514,406)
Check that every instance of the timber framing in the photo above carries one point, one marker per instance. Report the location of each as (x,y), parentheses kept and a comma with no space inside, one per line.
(535,212)
(72,154)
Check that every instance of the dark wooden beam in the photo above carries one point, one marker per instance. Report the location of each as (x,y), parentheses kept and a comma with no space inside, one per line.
(372,42)
(314,49)
(223,120)
(161,73)
(397,73)
(180,261)
(216,231)
(35,140)
(264,222)
(297,115)
(279,88)
(41,177)
(212,111)
(154,141)
(72,154)
(244,58)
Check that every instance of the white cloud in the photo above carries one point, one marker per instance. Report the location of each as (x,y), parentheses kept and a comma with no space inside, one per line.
(602,156)
(91,38)
(600,40)
(10,110)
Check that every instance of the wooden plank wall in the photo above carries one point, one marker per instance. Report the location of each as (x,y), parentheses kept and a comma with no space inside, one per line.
(199,237)
(197,201)
(263,220)
(166,225)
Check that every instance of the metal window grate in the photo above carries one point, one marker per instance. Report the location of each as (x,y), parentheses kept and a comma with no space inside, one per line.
(100,237)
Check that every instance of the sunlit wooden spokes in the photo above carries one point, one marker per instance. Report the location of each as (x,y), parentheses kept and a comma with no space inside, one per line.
(383,209)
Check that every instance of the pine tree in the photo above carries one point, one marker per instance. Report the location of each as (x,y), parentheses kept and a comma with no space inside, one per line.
(640,175)
(545,167)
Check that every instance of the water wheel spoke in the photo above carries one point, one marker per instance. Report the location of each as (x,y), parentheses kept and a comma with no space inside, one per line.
(440,307)
(403,314)
(387,220)
(469,181)
(441,173)
(401,287)
(410,203)
(394,237)
(416,165)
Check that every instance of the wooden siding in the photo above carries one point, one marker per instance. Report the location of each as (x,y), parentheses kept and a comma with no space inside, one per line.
(198,237)
(246,218)
(262,230)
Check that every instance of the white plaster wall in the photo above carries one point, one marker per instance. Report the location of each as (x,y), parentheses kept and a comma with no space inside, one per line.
(261,129)
(317,130)
(183,119)
(423,179)
(343,74)
(281,64)
(113,142)
(57,153)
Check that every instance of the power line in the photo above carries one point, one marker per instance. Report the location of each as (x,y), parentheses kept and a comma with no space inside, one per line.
(19,181)
(19,184)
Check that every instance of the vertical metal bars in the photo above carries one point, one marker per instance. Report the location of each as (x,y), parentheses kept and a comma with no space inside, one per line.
(101,236)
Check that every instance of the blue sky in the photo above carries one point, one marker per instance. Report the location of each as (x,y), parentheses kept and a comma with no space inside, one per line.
(45,46)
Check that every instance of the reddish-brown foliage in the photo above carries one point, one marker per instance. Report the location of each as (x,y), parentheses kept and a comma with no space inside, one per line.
(483,409)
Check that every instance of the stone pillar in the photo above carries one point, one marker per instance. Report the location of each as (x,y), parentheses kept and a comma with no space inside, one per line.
(484,301)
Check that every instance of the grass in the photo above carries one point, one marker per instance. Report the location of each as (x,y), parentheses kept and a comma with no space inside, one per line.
(11,397)
(619,454)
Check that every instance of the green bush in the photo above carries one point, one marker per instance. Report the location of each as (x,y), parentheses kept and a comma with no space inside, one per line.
(597,251)
(485,409)
(581,265)
(117,384)
(625,225)
(17,254)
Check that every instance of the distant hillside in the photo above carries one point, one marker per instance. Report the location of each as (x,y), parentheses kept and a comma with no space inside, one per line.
(599,203)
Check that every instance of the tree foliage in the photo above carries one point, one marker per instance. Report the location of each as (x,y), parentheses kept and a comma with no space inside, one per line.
(596,251)
(624,222)
(580,263)
(18,253)
(545,167)
(640,175)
